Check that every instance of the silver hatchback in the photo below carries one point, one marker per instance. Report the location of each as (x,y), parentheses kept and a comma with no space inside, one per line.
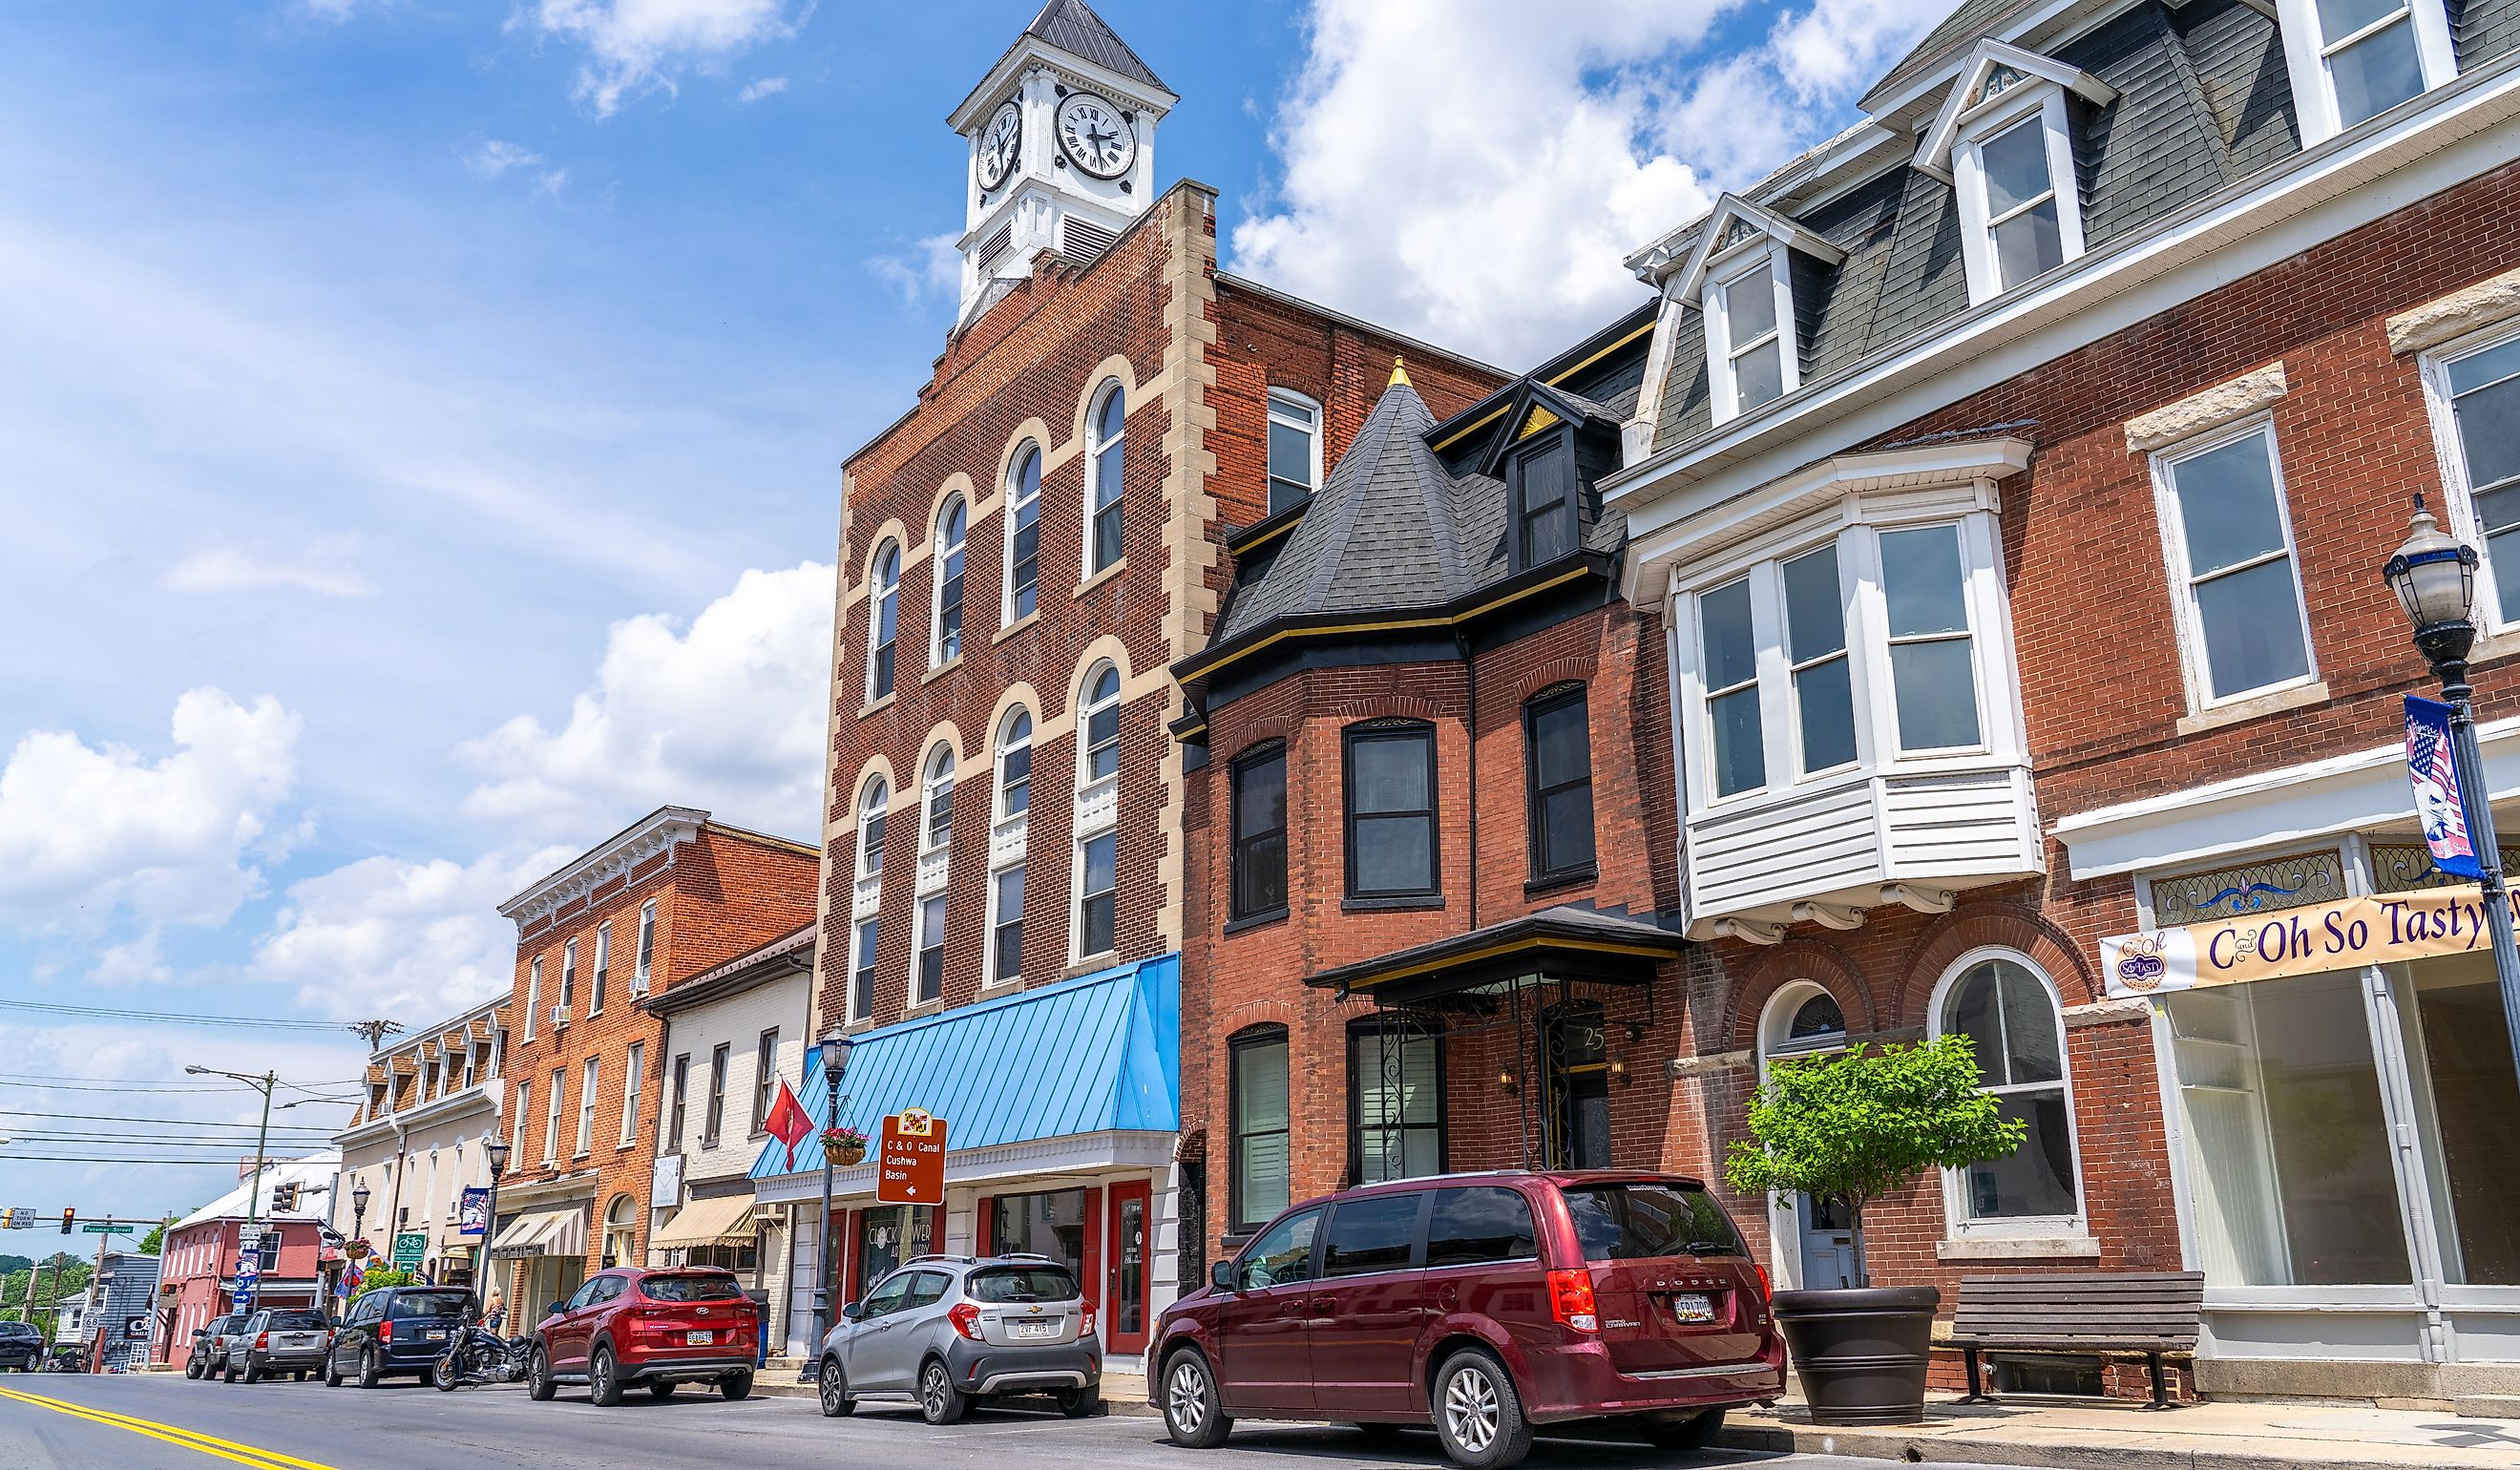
(944,1331)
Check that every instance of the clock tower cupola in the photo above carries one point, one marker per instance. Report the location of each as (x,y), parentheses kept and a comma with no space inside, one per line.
(1062,138)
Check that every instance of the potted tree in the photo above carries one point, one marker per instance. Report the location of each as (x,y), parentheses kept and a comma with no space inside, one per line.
(1858,1126)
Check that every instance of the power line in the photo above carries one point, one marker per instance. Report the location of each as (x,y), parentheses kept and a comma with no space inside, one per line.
(181,1018)
(64,1086)
(81,1158)
(292,1128)
(170,1082)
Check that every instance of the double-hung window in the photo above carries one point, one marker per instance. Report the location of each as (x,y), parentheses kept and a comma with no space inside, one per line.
(1103,725)
(533,997)
(1014,766)
(2478,389)
(568,977)
(714,1116)
(1105,463)
(1729,649)
(883,621)
(1933,681)
(765,1078)
(644,973)
(551,1115)
(1097,903)
(1391,810)
(2013,170)
(634,1076)
(1295,448)
(586,1104)
(1557,756)
(1261,1167)
(862,972)
(931,948)
(1098,845)
(1007,841)
(939,830)
(1749,321)
(1816,647)
(2352,60)
(1259,860)
(680,1105)
(1005,924)
(1543,480)
(2229,546)
(603,966)
(945,644)
(1023,535)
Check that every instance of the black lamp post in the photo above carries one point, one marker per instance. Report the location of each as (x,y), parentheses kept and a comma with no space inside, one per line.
(497,1150)
(835,1047)
(359,1210)
(2434,574)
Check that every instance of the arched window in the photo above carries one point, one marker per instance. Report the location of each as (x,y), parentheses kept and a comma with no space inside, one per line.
(871,811)
(939,831)
(1106,459)
(2009,1011)
(871,815)
(1261,1176)
(1098,838)
(1006,849)
(946,643)
(1024,529)
(1014,763)
(884,618)
(621,1232)
(1098,721)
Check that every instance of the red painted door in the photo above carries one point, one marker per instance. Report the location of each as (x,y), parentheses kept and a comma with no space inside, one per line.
(1128,1274)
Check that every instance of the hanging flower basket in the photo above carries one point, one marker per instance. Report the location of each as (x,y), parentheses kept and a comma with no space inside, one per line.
(843,1146)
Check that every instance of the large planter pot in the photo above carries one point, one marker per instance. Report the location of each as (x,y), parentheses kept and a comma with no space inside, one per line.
(1860,1352)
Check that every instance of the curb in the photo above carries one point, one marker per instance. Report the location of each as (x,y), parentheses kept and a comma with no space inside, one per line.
(1891,1444)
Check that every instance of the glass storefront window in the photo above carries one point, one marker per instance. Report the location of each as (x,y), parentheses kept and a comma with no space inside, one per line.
(889,1235)
(2287,1141)
(2458,1055)
(1049,1223)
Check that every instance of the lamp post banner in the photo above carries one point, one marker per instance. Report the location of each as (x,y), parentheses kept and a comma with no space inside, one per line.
(2434,774)
(2347,934)
(472,1217)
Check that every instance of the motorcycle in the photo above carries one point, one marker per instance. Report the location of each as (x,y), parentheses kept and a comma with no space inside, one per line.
(478,1356)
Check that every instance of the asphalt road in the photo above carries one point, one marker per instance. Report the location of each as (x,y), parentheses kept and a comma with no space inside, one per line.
(158,1421)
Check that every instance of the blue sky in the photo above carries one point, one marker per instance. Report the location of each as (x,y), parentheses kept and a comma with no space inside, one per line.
(421,420)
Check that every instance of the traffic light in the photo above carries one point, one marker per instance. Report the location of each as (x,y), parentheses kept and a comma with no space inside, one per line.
(68,1219)
(8,1219)
(284,1197)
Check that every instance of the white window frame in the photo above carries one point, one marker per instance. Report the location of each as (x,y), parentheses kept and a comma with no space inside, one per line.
(944,911)
(603,965)
(2307,48)
(989,940)
(1009,836)
(939,548)
(553,1106)
(1095,445)
(858,932)
(1077,954)
(2458,485)
(877,591)
(1998,115)
(2187,615)
(1957,1223)
(1742,269)
(1016,503)
(644,972)
(936,780)
(1006,745)
(1087,794)
(589,1080)
(568,975)
(869,805)
(1312,429)
(533,994)
(634,1076)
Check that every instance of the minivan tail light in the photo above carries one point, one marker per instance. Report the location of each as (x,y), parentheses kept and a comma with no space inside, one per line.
(966,1318)
(385,1331)
(1570,1300)
(1764,1289)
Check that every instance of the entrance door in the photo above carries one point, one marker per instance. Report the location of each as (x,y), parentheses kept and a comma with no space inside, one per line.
(1827,1231)
(1127,1283)
(1579,1086)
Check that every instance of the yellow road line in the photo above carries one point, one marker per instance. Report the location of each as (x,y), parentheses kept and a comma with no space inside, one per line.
(189,1438)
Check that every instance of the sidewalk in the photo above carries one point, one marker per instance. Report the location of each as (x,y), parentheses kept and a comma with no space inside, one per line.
(2078,1434)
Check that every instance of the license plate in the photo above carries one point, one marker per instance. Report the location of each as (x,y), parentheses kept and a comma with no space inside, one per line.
(1036,1329)
(433,1335)
(1693,1306)
(702,1339)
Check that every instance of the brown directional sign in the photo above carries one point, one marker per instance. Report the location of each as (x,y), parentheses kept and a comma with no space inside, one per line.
(910,1159)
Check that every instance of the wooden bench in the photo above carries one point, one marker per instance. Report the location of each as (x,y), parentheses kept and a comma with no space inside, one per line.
(2156,1314)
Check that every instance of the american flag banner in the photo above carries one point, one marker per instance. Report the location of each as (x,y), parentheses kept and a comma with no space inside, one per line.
(2434,774)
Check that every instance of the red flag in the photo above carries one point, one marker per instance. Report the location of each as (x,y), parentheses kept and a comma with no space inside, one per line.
(788,1122)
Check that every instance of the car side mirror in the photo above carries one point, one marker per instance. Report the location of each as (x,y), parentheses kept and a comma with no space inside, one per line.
(854,1311)
(556,1309)
(1220,1275)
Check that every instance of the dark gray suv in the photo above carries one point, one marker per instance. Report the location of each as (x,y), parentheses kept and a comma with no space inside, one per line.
(944,1331)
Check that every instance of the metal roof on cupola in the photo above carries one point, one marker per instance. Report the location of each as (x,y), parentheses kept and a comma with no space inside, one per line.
(1071,30)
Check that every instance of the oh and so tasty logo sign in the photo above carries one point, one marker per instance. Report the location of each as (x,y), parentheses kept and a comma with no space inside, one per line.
(2346,934)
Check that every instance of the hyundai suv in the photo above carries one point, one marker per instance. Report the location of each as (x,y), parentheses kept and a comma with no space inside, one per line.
(947,1330)
(1486,1303)
(662,1328)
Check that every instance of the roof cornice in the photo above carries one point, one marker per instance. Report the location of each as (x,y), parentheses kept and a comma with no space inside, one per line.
(657,835)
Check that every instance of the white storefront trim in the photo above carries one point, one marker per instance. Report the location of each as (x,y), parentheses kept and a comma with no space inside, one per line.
(1111,1148)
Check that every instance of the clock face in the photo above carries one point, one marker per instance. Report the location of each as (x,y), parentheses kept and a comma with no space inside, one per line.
(1095,136)
(1000,145)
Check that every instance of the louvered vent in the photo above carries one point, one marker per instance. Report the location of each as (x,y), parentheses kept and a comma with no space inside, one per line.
(1087,239)
(995,244)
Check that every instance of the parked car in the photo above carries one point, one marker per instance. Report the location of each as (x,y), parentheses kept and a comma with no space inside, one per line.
(21,1346)
(1486,1303)
(395,1332)
(662,1328)
(219,1344)
(281,1340)
(196,1363)
(948,1331)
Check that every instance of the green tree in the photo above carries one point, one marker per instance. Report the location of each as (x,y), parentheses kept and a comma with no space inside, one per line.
(10,1265)
(155,1242)
(1867,1123)
(383,1277)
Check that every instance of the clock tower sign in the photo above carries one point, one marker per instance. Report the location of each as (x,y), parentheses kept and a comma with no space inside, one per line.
(1062,136)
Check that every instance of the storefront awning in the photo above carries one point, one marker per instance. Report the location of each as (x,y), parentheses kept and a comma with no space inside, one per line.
(542,1233)
(1561,943)
(723,1220)
(1098,1054)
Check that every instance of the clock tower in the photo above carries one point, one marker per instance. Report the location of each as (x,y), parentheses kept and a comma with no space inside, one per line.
(1062,136)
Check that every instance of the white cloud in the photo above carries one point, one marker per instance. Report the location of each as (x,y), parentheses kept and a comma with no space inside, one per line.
(727,715)
(89,831)
(413,941)
(550,182)
(932,264)
(638,44)
(1472,177)
(324,567)
(494,157)
(768,86)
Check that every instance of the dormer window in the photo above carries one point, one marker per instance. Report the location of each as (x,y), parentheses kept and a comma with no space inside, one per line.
(1742,279)
(2352,60)
(2021,220)
(1544,489)
(2004,142)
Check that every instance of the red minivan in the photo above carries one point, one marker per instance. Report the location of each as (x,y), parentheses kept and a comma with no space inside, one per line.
(1486,1303)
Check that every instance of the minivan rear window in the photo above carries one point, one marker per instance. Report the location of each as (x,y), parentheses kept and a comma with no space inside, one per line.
(1475,1227)
(689,1288)
(1639,1221)
(412,1304)
(1021,1283)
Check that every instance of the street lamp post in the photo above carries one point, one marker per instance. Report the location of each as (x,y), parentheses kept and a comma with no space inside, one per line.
(835,1047)
(2434,574)
(497,1150)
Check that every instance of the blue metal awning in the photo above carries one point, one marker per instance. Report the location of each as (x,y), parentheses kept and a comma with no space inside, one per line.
(1097,1053)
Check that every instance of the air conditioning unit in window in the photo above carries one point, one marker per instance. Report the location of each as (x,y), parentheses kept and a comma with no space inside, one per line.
(559,1015)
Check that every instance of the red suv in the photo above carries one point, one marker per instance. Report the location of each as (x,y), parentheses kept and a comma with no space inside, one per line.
(1489,1303)
(663,1328)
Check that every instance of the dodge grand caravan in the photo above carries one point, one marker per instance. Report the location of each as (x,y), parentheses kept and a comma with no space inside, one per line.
(1487,1303)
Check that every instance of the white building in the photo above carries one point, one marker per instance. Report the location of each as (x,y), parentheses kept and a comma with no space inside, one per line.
(417,1140)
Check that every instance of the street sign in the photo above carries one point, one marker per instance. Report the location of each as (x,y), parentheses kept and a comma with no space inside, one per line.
(910,1159)
(107,1230)
(409,1247)
(248,1275)
(137,1326)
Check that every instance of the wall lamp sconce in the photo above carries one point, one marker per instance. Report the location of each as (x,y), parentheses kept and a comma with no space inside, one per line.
(1506,1079)
(1619,1074)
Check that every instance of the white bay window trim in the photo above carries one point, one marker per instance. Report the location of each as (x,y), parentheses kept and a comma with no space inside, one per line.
(2311,57)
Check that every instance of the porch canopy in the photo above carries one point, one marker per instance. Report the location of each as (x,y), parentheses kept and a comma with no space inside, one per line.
(1563,944)
(726,1220)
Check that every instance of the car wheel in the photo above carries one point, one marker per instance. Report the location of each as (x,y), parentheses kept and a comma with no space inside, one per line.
(735,1386)
(663,1387)
(331,1372)
(539,1383)
(193,1368)
(229,1373)
(939,1401)
(1194,1414)
(1079,1402)
(1695,1432)
(253,1371)
(371,1371)
(603,1378)
(831,1391)
(1478,1415)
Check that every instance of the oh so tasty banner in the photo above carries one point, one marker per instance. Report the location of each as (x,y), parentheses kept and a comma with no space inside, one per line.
(2343,935)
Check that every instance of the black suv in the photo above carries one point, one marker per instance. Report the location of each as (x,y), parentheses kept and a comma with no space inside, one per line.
(21,1346)
(396,1333)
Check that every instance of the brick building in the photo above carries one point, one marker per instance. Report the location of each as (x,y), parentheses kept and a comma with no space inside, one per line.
(2012,476)
(1024,555)
(198,1255)
(670,896)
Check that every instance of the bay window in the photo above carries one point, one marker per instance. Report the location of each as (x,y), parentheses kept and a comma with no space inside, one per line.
(1391,810)
(1816,648)
(1730,668)
(1557,771)
(1933,678)
(2229,548)
(1259,847)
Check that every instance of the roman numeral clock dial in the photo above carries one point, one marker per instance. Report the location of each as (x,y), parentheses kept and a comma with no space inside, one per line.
(1000,145)
(1095,137)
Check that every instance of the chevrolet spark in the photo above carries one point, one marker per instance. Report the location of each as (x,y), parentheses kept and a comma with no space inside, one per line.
(1487,1303)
